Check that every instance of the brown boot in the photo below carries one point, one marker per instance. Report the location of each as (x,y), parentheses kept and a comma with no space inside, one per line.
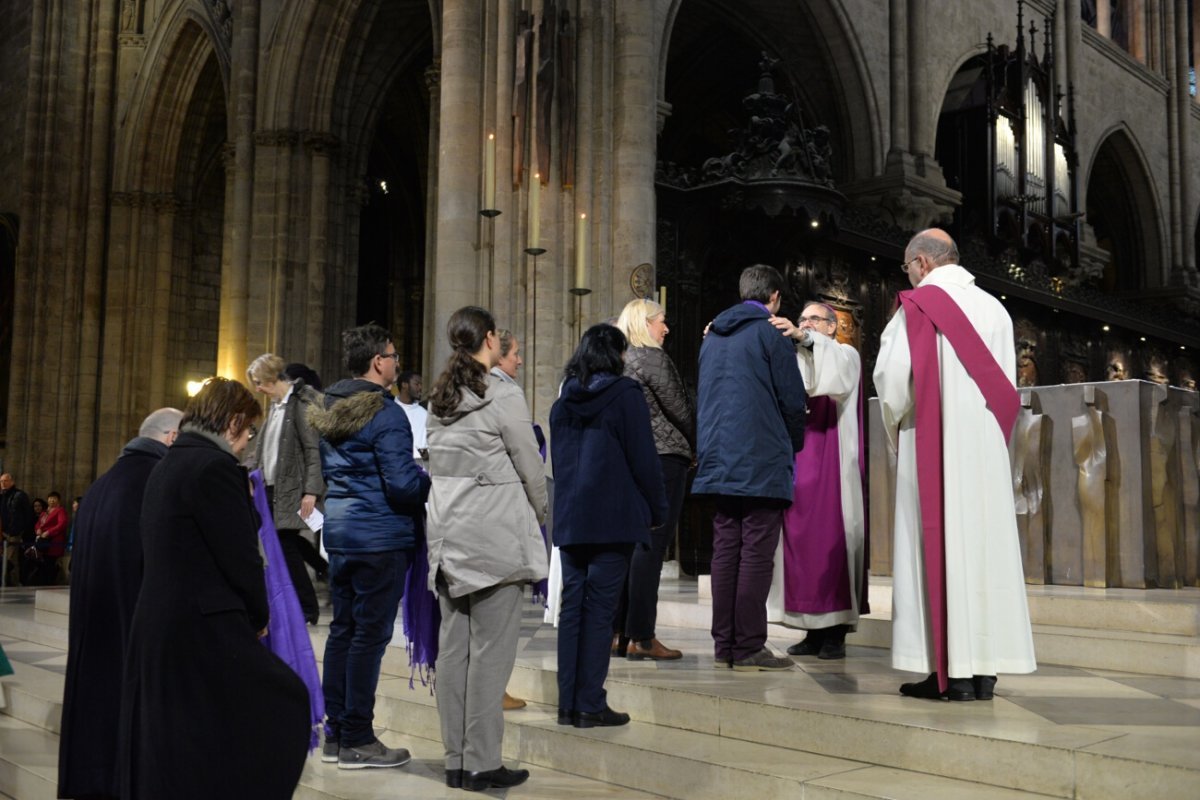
(620,645)
(512,703)
(652,649)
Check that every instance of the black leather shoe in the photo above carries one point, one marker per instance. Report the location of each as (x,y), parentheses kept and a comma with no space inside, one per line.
(499,778)
(959,689)
(600,719)
(454,778)
(985,687)
(811,645)
(565,716)
(831,649)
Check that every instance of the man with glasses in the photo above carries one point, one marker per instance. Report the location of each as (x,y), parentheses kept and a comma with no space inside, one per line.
(821,569)
(945,377)
(373,505)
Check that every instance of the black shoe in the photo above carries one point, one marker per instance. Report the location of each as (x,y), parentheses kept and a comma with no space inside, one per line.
(831,649)
(565,716)
(959,689)
(599,719)
(454,778)
(985,687)
(499,778)
(811,645)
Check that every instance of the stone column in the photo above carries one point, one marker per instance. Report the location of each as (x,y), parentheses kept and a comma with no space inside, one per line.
(634,144)
(235,274)
(1172,257)
(321,147)
(898,85)
(1074,40)
(1185,258)
(433,82)
(459,230)
(1104,17)
(920,98)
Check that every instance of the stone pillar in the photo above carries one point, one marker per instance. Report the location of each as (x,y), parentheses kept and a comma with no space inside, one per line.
(1074,40)
(898,85)
(433,82)
(920,99)
(1172,261)
(235,274)
(321,147)
(1185,259)
(634,145)
(459,230)
(159,264)
(1104,17)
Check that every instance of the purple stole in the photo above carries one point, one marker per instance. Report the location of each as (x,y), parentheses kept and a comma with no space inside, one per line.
(929,311)
(419,610)
(287,633)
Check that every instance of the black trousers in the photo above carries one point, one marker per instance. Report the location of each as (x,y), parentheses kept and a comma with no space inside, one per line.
(637,612)
(292,543)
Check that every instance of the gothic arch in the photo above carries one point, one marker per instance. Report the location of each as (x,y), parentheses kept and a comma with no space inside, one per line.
(1123,209)
(820,57)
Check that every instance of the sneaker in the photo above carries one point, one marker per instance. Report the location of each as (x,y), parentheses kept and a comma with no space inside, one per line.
(372,754)
(329,751)
(762,661)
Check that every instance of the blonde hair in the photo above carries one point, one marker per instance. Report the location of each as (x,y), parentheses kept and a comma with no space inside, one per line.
(267,368)
(634,321)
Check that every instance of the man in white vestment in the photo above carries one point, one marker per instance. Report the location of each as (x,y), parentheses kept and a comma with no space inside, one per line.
(959,607)
(820,570)
(408,388)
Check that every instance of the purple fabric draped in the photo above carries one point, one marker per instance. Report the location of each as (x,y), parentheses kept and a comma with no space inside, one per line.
(287,633)
(929,311)
(864,601)
(420,613)
(814,530)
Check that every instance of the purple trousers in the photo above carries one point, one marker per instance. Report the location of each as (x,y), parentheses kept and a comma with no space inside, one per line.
(745,535)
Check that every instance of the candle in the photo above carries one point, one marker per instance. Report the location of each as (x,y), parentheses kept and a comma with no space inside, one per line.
(662,298)
(535,206)
(581,247)
(489,173)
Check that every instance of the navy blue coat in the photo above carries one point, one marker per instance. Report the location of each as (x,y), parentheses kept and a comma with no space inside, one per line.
(750,412)
(608,483)
(375,490)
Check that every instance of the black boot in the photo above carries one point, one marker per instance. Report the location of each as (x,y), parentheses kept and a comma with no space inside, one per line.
(500,778)
(811,645)
(985,687)
(833,645)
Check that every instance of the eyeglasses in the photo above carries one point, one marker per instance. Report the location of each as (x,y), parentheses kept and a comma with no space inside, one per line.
(904,266)
(814,320)
(394,356)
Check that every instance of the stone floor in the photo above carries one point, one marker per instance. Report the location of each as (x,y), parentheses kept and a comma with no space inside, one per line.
(824,729)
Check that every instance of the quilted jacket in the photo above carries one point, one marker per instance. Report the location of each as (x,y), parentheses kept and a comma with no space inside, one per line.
(672,413)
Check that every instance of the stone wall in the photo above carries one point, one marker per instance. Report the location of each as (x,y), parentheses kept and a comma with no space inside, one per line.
(14,66)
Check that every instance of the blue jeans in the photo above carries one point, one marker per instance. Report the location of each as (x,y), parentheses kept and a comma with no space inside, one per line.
(366,591)
(593,575)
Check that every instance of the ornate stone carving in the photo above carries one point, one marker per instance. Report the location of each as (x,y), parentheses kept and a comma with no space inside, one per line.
(321,143)
(433,75)
(278,138)
(222,17)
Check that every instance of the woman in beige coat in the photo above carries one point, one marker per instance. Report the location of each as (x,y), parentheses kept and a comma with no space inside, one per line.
(487,500)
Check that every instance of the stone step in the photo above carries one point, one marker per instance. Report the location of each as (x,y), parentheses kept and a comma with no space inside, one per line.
(677,763)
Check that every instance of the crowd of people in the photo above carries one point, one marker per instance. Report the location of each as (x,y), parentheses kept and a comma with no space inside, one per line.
(437,513)
(37,534)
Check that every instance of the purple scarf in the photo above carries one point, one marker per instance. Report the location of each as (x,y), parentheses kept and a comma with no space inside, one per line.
(929,311)
(420,612)
(287,633)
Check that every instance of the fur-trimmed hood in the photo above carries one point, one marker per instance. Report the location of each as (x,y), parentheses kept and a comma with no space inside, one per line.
(349,406)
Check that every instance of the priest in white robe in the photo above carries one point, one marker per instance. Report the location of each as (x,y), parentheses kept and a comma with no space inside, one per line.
(945,378)
(820,578)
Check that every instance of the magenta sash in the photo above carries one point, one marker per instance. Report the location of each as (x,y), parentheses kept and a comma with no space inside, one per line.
(929,311)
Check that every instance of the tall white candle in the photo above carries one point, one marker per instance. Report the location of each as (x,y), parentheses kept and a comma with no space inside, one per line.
(489,172)
(662,298)
(535,208)
(581,248)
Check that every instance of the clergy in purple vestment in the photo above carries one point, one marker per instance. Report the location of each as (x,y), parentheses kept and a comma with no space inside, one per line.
(820,576)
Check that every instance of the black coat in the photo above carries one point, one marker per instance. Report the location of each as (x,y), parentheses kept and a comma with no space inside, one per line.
(608,482)
(206,710)
(106,574)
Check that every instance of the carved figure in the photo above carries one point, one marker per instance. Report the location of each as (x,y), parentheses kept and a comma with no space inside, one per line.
(1028,488)
(1091,458)
(1164,488)
(1115,371)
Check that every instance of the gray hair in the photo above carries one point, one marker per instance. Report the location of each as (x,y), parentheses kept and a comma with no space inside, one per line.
(506,341)
(160,423)
(935,244)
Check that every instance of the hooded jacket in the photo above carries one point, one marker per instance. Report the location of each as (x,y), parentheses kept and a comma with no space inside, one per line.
(750,413)
(375,490)
(608,483)
(489,493)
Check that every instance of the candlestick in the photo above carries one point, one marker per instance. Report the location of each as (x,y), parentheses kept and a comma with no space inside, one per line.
(581,247)
(489,173)
(662,298)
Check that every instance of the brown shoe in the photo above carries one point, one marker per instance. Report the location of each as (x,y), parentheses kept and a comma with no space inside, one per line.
(620,645)
(652,649)
(512,703)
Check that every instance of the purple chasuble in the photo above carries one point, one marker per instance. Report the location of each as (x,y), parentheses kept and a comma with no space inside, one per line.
(287,633)
(928,311)
(817,577)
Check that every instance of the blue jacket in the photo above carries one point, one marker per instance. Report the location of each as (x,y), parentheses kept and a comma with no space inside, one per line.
(375,491)
(750,412)
(608,483)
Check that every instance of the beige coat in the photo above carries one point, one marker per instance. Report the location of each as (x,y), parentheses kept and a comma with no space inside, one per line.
(488,495)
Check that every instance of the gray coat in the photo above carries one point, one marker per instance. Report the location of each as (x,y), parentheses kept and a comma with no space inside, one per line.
(488,495)
(298,471)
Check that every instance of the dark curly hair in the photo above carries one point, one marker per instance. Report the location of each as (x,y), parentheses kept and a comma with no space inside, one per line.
(467,330)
